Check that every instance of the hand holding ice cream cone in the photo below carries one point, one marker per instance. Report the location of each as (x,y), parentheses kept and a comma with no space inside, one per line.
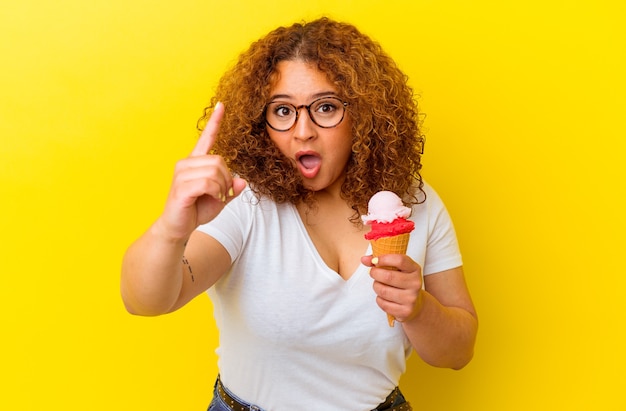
(391,230)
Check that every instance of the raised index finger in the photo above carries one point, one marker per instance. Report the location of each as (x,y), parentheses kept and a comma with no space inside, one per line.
(209,134)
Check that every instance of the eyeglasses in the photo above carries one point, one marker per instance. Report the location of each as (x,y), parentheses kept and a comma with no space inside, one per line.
(325,112)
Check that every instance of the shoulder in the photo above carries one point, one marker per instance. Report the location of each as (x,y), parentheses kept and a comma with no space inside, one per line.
(431,213)
(429,199)
(251,208)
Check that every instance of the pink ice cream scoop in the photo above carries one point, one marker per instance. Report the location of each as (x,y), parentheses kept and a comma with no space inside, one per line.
(387,216)
(384,207)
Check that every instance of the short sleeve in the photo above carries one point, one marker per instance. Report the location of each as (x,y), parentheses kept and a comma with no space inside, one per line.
(442,248)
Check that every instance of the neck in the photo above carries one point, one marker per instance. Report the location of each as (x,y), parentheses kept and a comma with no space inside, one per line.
(327,202)
(332,192)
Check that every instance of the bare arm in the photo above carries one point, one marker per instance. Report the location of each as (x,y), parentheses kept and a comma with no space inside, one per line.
(170,263)
(444,330)
(160,275)
(440,321)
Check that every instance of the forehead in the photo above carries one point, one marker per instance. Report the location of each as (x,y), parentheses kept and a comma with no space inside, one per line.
(300,80)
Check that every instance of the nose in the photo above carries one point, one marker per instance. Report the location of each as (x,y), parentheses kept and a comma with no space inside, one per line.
(304,129)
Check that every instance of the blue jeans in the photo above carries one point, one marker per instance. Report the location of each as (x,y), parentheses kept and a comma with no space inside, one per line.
(218,404)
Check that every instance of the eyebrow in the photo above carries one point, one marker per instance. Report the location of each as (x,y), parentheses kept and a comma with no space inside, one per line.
(313,97)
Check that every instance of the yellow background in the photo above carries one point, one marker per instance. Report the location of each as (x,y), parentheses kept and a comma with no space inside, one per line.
(525,143)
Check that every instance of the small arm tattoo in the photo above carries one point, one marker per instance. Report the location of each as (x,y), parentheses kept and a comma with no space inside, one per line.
(186,264)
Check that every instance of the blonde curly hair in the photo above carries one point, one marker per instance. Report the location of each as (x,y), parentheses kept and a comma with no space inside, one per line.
(387,144)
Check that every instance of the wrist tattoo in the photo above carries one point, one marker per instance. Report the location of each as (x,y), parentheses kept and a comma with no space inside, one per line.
(186,264)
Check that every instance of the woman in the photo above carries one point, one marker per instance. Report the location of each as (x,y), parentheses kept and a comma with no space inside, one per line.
(265,214)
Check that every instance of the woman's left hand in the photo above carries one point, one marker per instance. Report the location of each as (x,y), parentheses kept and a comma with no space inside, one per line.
(397,284)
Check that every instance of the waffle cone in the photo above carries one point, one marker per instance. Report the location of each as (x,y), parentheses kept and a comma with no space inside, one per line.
(396,244)
(390,245)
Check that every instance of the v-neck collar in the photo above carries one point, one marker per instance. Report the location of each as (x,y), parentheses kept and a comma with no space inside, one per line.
(328,272)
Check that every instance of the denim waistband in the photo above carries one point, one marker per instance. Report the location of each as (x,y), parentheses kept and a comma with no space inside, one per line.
(395,401)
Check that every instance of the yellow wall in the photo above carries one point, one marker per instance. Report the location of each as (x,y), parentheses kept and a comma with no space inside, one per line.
(525,142)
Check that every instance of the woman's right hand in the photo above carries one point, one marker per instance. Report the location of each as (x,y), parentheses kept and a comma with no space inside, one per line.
(201,187)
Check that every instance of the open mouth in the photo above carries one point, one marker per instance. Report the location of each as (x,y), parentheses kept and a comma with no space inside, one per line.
(309,164)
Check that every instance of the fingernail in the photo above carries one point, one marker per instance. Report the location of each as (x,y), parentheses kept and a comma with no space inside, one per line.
(375,260)
(231,192)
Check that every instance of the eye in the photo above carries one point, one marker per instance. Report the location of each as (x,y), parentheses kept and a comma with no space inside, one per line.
(283,110)
(326,107)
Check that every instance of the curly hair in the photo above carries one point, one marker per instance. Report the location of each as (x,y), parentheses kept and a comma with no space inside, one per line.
(386,141)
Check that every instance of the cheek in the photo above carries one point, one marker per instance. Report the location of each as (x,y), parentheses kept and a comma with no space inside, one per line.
(343,145)
(341,154)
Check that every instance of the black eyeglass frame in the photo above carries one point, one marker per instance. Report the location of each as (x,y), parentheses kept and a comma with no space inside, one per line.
(308,109)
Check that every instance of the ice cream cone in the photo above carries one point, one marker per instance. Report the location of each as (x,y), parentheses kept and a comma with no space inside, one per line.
(388,217)
(396,244)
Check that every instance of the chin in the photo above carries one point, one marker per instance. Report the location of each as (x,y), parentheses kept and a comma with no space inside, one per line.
(311,186)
